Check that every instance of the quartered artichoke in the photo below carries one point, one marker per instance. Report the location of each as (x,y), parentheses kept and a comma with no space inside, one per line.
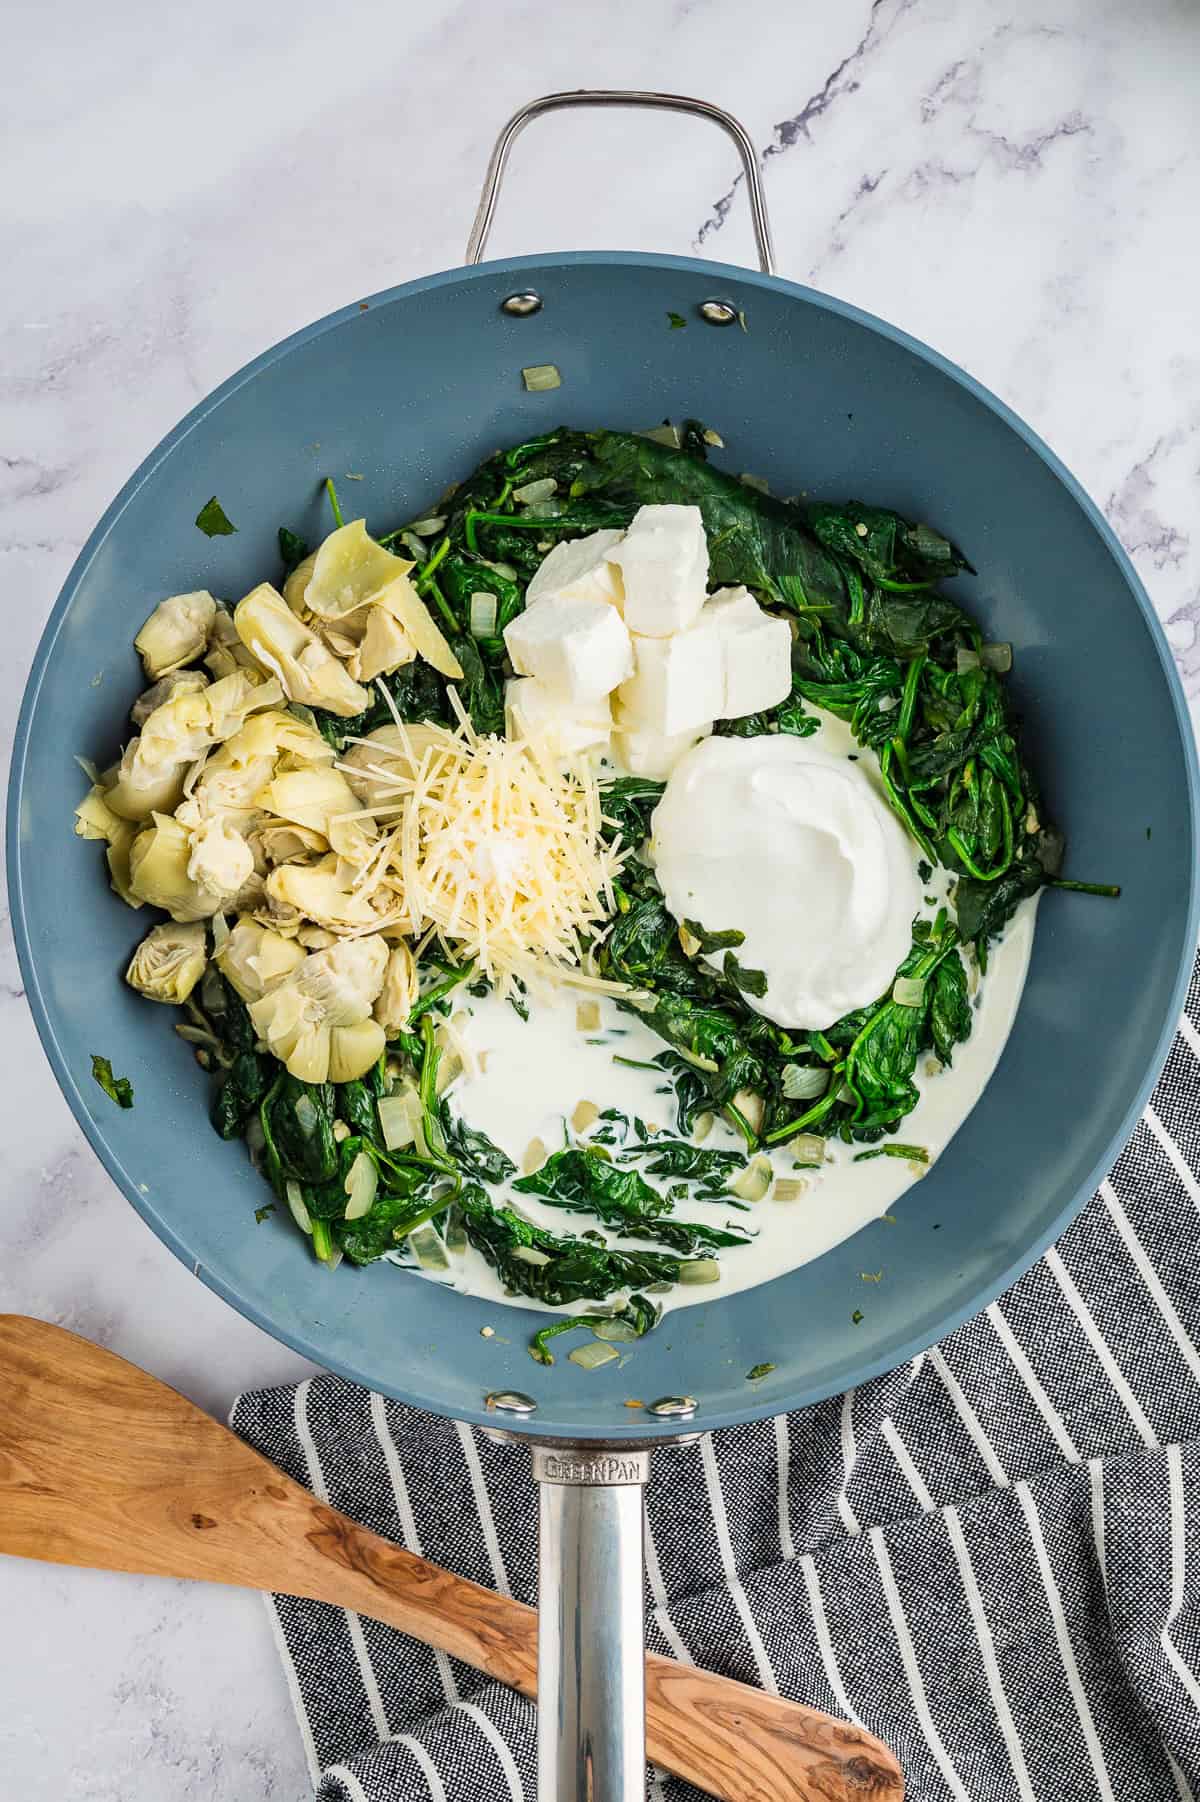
(169,962)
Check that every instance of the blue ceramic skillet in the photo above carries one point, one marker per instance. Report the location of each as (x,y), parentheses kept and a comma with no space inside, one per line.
(412,388)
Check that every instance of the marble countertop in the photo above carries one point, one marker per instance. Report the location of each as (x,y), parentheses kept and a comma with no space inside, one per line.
(1017,187)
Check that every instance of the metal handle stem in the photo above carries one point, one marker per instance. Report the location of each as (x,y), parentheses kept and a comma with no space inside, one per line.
(673,103)
(591,1626)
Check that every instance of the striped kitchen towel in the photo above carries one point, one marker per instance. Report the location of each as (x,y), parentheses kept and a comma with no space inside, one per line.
(990,1558)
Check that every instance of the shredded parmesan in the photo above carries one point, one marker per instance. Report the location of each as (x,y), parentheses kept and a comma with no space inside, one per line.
(494,850)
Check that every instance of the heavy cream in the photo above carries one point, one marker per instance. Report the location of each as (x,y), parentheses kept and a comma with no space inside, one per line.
(793,844)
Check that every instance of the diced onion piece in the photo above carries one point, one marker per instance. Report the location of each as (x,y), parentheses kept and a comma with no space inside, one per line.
(450,1068)
(300,1214)
(804,1082)
(534,1157)
(967,660)
(529,1254)
(666,433)
(395,1121)
(542,510)
(585,1115)
(700,1270)
(416,549)
(340,1129)
(362,1180)
(617,1331)
(997,657)
(428,528)
(587,1016)
(754,1181)
(456,1234)
(807,1149)
(751,1107)
(541,376)
(701,1127)
(689,944)
(593,1354)
(426,1246)
(908,992)
(714,438)
(541,490)
(483,614)
(789,1188)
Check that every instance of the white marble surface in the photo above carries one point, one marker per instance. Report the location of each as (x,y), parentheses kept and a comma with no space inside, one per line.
(1018,187)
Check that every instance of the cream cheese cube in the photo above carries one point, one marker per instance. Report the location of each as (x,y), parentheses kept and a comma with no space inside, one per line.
(531,709)
(580,569)
(651,754)
(578,648)
(678,684)
(756,653)
(664,562)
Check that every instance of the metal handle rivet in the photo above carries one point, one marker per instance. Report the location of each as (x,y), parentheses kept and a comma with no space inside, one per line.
(672,1406)
(523,304)
(510,1401)
(717,312)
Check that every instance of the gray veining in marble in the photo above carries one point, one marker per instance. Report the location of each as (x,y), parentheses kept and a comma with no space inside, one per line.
(1016,184)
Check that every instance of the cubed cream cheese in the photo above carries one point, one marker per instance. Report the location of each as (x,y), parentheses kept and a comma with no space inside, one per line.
(644,752)
(578,648)
(678,683)
(580,569)
(567,729)
(756,653)
(663,559)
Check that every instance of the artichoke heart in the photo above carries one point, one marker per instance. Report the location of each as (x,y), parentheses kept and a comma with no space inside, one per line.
(318,1019)
(175,633)
(221,862)
(317,892)
(348,570)
(178,682)
(169,962)
(150,777)
(158,871)
(381,767)
(385,646)
(282,643)
(226,654)
(400,988)
(253,959)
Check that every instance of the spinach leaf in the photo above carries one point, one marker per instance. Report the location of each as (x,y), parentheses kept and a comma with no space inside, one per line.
(474,1151)
(117,1088)
(707,942)
(634,1320)
(212,520)
(245,1083)
(751,982)
(292,550)
(628,803)
(481,689)
(300,1116)
(589,1182)
(574,1269)
(950,1017)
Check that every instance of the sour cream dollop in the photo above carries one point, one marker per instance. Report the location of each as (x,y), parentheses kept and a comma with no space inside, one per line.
(797,848)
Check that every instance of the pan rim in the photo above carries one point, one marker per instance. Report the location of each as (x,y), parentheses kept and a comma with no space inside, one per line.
(533,1427)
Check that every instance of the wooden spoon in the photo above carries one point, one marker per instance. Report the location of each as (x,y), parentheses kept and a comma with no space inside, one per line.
(102,1465)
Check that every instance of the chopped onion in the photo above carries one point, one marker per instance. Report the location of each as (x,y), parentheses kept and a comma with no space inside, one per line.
(804,1082)
(450,1068)
(751,1107)
(967,660)
(304,714)
(754,1181)
(340,1131)
(714,438)
(789,1188)
(702,1125)
(529,1254)
(700,1270)
(483,614)
(416,549)
(456,1233)
(362,1180)
(541,376)
(541,490)
(542,510)
(300,1214)
(426,1246)
(500,569)
(587,1016)
(617,1331)
(689,944)
(535,1156)
(888,703)
(592,1355)
(908,992)
(428,528)
(666,433)
(807,1149)
(395,1121)
(997,657)
(586,1114)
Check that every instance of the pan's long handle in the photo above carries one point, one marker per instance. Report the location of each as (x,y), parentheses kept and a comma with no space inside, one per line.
(674,103)
(591,1628)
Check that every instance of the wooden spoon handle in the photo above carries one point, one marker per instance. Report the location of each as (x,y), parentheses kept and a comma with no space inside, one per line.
(104,1466)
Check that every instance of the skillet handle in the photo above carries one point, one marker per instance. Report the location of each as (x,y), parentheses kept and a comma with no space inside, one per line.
(673,103)
(591,1624)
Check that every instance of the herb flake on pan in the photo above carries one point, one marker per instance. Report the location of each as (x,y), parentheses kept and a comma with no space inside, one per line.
(213,520)
(117,1088)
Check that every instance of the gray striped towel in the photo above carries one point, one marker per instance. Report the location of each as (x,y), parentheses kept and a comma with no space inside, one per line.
(990,1558)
